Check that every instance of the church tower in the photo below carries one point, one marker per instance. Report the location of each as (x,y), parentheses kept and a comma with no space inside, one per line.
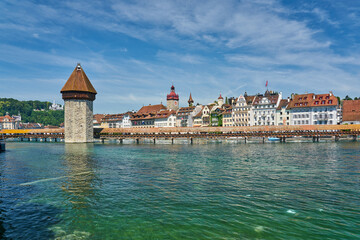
(172,100)
(78,94)
(220,100)
(190,101)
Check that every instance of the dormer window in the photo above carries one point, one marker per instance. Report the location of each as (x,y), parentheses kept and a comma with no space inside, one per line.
(323,102)
(330,101)
(327,97)
(320,98)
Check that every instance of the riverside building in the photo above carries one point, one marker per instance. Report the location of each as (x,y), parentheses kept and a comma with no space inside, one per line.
(351,112)
(264,107)
(314,109)
(241,110)
(165,118)
(283,116)
(145,117)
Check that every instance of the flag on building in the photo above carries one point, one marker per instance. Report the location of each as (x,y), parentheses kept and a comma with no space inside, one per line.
(266,84)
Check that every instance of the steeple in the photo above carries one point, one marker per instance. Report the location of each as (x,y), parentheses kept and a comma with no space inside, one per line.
(190,101)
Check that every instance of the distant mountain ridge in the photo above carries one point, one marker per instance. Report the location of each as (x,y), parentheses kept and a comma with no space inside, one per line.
(42,114)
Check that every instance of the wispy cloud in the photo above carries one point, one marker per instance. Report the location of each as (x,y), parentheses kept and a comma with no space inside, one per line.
(137,48)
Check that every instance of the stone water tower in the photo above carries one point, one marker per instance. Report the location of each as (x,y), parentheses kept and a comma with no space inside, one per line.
(78,94)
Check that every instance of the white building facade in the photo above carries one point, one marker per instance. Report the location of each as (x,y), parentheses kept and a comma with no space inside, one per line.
(263,110)
(312,109)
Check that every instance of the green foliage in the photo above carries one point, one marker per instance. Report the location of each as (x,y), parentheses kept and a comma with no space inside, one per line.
(26,110)
(347,98)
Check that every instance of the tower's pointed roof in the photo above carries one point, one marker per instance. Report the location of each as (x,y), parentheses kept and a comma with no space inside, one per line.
(79,82)
(190,99)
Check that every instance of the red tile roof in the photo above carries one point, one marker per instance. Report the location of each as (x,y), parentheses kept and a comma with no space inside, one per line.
(250,99)
(283,103)
(272,98)
(351,110)
(172,95)
(6,116)
(148,112)
(199,113)
(186,110)
(98,117)
(164,113)
(312,100)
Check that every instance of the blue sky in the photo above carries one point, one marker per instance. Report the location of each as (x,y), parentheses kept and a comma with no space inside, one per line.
(133,51)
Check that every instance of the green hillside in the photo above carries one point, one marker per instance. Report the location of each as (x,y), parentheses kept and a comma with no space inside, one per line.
(26,109)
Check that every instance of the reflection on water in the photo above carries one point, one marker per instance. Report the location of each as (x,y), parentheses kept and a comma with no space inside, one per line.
(79,163)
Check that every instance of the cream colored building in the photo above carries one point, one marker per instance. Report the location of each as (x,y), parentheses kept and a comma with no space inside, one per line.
(283,114)
(241,110)
(7,122)
(227,117)
(165,118)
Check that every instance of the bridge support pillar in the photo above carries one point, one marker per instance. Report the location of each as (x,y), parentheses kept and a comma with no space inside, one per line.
(154,141)
(137,141)
(337,138)
(45,139)
(21,139)
(36,139)
(191,140)
(103,140)
(317,138)
(121,140)
(245,139)
(29,139)
(55,139)
(263,139)
(172,140)
(354,137)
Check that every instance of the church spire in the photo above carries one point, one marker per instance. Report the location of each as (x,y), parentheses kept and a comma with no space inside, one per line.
(190,101)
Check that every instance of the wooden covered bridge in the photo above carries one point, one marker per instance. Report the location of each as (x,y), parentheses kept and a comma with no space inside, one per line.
(282,132)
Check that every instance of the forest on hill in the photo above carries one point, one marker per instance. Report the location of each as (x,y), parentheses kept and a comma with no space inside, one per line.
(26,110)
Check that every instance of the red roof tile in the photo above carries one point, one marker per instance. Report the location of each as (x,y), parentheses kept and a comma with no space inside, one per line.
(283,103)
(312,100)
(351,110)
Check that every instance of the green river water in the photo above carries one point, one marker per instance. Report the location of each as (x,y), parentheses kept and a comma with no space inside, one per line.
(213,191)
